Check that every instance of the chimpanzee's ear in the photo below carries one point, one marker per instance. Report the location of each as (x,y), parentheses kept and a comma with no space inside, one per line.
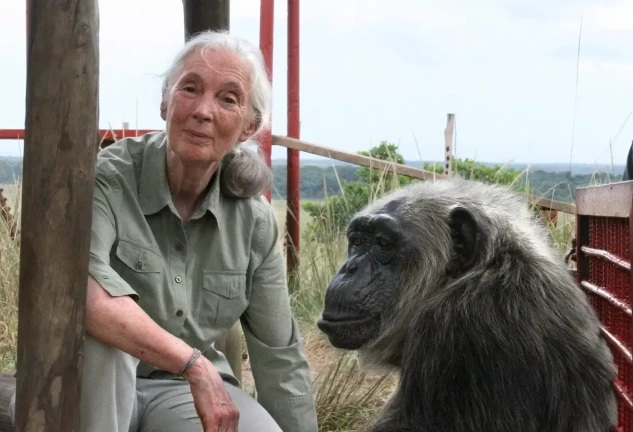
(466,241)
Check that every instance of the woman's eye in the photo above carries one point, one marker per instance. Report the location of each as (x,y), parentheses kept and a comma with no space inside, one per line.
(229,97)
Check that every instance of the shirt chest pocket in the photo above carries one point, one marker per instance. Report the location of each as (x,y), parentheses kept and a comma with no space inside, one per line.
(140,267)
(223,298)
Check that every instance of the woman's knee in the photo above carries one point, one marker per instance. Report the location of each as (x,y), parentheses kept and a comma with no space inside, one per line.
(103,360)
(108,393)
(169,406)
(253,417)
(108,372)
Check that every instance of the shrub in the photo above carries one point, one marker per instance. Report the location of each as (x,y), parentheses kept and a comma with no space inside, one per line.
(335,212)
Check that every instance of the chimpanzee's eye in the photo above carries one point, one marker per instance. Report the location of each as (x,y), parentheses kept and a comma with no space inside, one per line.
(383,242)
(355,241)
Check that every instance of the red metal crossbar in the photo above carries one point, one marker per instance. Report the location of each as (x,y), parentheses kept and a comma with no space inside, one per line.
(104,134)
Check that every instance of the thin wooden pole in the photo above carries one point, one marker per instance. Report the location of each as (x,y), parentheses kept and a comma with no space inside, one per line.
(62,100)
(448,144)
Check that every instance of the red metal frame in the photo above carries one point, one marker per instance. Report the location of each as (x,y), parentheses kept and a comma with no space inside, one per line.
(604,253)
(293,173)
(104,134)
(266,45)
(11,133)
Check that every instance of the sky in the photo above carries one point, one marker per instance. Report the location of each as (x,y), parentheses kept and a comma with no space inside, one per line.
(506,68)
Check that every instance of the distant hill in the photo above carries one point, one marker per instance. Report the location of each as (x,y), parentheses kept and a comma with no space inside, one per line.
(545,179)
(554,167)
(321,177)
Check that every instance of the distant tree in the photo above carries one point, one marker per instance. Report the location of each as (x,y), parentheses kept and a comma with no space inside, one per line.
(469,169)
(332,215)
(387,152)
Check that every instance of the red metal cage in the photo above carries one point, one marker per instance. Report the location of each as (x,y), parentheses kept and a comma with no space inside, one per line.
(604,248)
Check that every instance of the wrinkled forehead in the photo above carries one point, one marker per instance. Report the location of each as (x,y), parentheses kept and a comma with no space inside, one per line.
(216,66)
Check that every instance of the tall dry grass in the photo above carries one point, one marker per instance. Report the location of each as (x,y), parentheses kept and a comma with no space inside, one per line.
(9,278)
(348,398)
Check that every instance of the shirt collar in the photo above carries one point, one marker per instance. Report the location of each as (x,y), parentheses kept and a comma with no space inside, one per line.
(153,191)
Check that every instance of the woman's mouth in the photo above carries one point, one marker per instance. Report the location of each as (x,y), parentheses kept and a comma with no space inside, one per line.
(197,134)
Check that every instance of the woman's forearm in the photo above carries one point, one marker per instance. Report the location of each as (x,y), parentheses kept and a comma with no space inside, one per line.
(121,323)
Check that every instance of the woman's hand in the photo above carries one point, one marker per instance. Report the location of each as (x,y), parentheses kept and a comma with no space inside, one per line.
(211,400)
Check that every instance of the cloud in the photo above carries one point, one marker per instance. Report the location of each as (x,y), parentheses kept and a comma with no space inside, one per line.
(611,17)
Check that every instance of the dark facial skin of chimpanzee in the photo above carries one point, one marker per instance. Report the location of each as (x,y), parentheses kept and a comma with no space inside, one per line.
(366,283)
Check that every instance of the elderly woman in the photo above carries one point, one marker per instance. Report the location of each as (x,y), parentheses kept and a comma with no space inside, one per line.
(183,246)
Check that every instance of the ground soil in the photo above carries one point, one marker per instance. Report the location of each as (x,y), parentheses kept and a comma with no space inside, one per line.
(320,356)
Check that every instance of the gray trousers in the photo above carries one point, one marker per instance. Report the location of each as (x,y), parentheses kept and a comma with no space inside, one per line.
(115,400)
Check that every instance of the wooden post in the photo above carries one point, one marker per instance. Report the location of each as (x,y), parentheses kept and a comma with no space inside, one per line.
(448,143)
(551,216)
(202,15)
(62,100)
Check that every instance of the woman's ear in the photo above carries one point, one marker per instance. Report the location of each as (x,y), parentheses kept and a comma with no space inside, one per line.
(248,131)
(163,110)
(252,126)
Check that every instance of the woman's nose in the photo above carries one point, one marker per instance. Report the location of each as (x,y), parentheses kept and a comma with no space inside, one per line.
(204,110)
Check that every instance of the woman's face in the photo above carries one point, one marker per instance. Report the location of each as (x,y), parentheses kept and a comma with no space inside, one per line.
(208,109)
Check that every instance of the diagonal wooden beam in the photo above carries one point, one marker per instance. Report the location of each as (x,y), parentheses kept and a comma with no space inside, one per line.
(421,174)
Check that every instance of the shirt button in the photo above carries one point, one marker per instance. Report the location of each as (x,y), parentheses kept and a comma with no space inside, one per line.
(178,279)
(139,265)
(179,313)
(179,247)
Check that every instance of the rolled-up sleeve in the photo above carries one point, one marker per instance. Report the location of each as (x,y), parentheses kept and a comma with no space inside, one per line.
(103,238)
(278,361)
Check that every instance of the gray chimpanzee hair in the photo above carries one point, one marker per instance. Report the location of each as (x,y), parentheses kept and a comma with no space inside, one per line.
(244,173)
(508,342)
(502,216)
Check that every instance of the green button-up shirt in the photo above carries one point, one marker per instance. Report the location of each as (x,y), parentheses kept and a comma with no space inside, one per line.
(197,278)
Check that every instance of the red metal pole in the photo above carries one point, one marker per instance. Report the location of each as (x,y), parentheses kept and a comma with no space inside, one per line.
(266,26)
(293,191)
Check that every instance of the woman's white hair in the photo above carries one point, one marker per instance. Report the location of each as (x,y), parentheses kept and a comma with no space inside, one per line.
(244,172)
